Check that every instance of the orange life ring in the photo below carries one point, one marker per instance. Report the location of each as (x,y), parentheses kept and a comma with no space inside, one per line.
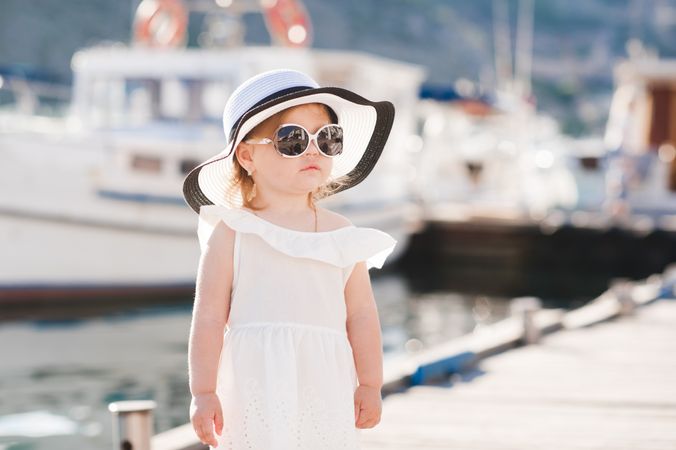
(161,23)
(289,23)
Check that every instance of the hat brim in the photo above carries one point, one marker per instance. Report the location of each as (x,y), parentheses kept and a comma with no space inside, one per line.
(367,126)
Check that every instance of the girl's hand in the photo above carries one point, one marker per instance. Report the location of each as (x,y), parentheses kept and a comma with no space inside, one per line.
(367,406)
(205,413)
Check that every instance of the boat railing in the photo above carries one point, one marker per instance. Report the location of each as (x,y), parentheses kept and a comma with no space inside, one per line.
(26,95)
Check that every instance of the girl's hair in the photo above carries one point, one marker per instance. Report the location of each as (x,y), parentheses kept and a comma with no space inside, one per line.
(242,182)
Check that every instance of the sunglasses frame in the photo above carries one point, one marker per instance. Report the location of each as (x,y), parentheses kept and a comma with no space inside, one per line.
(312,137)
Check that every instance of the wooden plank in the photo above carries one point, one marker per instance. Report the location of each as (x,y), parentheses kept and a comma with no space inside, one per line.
(607,386)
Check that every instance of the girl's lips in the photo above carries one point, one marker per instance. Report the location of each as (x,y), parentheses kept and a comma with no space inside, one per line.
(310,167)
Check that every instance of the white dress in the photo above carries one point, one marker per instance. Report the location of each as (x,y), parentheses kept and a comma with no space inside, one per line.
(286,376)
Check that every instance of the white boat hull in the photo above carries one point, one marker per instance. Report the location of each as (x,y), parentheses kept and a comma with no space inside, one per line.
(46,256)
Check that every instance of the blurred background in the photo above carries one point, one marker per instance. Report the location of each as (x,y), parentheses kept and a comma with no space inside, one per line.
(533,154)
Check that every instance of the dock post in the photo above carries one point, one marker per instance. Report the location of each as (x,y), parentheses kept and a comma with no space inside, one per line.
(526,308)
(621,289)
(132,424)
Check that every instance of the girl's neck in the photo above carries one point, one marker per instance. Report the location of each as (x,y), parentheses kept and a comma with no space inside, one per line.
(294,218)
(284,206)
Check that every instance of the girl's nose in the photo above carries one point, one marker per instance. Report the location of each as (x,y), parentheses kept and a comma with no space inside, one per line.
(312,148)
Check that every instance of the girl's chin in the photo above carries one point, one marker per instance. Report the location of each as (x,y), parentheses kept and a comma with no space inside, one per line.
(309,186)
(312,176)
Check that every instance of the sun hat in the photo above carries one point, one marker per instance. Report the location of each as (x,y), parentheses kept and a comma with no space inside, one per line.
(366,124)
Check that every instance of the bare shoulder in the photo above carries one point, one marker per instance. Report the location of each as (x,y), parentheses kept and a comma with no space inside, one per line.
(216,260)
(222,236)
(331,220)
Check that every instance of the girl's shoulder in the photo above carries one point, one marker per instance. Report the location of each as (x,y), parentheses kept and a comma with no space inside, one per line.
(331,220)
(356,243)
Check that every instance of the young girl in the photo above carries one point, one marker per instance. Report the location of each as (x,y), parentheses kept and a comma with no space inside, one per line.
(300,363)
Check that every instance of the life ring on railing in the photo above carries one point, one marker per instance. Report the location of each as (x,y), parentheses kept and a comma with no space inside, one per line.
(288,22)
(161,23)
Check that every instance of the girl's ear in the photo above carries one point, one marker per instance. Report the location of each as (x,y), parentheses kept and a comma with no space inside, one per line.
(244,154)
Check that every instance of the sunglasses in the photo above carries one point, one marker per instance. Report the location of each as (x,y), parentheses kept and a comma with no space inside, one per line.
(292,140)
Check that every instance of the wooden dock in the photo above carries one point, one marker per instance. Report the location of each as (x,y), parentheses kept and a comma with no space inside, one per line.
(608,385)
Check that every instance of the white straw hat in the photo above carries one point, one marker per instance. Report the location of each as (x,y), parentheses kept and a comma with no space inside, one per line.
(366,126)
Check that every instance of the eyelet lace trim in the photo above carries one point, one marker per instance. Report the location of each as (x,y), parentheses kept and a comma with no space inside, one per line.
(317,424)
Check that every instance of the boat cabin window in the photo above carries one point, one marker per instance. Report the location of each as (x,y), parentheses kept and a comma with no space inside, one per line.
(186,165)
(589,163)
(141,101)
(214,96)
(146,163)
(174,100)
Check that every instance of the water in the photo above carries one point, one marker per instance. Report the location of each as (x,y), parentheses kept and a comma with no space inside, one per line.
(58,377)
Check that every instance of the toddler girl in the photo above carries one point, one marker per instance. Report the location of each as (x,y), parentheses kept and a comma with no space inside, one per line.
(285,349)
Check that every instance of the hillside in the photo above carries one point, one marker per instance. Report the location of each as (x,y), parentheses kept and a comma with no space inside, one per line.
(574,48)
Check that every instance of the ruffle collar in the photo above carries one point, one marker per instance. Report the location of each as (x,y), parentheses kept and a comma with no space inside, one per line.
(341,247)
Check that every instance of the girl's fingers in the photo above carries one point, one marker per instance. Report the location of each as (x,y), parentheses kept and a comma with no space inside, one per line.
(203,434)
(211,439)
(199,431)
(206,436)
(362,418)
(366,417)
(218,422)
(367,423)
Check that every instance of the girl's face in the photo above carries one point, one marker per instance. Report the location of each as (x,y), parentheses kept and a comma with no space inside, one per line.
(290,175)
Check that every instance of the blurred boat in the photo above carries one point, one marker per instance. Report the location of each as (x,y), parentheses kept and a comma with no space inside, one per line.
(626,179)
(503,189)
(641,142)
(492,156)
(484,160)
(492,159)
(91,203)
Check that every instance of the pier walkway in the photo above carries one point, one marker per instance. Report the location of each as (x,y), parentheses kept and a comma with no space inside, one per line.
(609,385)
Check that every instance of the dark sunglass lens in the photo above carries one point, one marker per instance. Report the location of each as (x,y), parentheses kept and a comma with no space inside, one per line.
(291,140)
(330,140)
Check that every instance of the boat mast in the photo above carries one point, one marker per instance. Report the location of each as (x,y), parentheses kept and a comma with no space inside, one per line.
(513,78)
(524,48)
(504,77)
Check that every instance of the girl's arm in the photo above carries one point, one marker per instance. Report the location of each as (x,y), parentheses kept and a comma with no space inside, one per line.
(211,310)
(363,327)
